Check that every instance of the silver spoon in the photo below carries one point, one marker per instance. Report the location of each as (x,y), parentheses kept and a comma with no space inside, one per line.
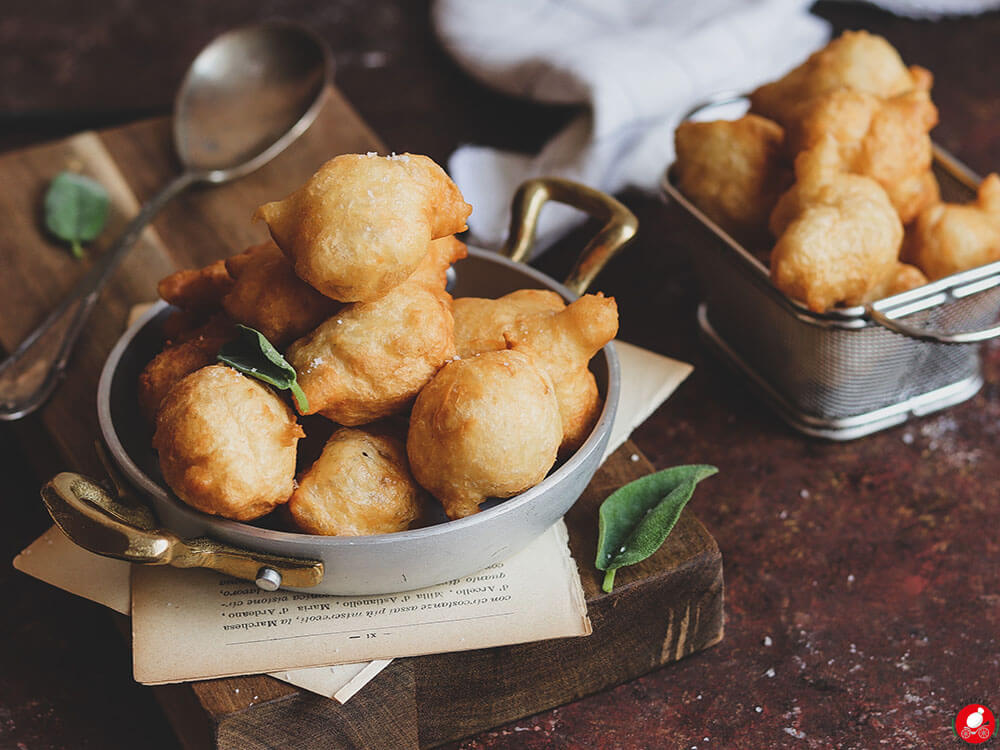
(245,98)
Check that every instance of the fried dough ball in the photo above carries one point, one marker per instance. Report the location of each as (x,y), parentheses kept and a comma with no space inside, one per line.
(734,172)
(195,350)
(433,269)
(562,343)
(855,60)
(196,288)
(487,426)
(948,237)
(267,295)
(362,224)
(838,234)
(480,322)
(226,444)
(372,358)
(901,278)
(913,194)
(885,139)
(180,325)
(361,484)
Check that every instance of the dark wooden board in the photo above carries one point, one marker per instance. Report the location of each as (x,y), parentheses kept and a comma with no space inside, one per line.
(661,610)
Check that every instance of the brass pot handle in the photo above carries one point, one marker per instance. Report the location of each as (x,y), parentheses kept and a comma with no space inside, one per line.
(116,527)
(619,228)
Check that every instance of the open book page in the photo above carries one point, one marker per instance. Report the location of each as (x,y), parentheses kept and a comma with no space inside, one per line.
(56,560)
(195,624)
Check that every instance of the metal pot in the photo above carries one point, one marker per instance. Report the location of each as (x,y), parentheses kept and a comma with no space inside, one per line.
(123,527)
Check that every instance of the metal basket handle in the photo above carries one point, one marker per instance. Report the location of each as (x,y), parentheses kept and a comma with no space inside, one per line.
(937,337)
(619,228)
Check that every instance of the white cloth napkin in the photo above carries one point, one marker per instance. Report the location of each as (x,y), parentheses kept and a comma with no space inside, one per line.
(640,65)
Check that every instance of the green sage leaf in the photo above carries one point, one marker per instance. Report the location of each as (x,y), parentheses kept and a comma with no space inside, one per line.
(76,209)
(252,354)
(634,521)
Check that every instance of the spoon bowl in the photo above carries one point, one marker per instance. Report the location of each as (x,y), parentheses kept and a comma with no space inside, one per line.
(245,98)
(249,94)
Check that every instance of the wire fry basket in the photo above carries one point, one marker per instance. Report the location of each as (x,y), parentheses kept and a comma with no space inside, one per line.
(852,371)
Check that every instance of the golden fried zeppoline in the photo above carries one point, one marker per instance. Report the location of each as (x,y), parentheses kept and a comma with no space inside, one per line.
(487,426)
(562,343)
(480,322)
(362,223)
(361,484)
(227,443)
(372,359)
(838,234)
(352,292)
(831,241)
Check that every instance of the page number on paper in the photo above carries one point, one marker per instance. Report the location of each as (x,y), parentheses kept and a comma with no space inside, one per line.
(975,724)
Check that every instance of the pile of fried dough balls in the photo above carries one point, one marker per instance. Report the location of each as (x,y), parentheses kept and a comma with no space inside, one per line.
(352,290)
(859,217)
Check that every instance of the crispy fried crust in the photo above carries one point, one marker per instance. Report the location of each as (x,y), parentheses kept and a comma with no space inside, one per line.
(195,349)
(901,278)
(480,322)
(267,295)
(734,171)
(362,224)
(838,234)
(226,444)
(361,484)
(487,426)
(433,269)
(562,343)
(372,358)
(948,237)
(856,60)
(885,139)
(197,288)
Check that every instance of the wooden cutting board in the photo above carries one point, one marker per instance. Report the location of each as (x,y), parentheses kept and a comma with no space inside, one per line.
(661,610)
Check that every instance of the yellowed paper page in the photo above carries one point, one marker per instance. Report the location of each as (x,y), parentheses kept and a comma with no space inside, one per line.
(364,677)
(192,624)
(53,558)
(57,561)
(648,379)
(340,682)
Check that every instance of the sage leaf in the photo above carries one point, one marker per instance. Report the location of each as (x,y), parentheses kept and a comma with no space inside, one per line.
(634,521)
(252,354)
(76,209)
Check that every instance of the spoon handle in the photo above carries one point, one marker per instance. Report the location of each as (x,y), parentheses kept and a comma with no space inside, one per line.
(31,373)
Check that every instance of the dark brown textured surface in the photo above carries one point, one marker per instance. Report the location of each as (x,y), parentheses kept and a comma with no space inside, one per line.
(877,588)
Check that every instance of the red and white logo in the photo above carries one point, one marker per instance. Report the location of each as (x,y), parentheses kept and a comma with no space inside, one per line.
(975,724)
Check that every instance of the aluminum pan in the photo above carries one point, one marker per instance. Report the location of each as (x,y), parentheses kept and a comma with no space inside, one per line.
(382,563)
